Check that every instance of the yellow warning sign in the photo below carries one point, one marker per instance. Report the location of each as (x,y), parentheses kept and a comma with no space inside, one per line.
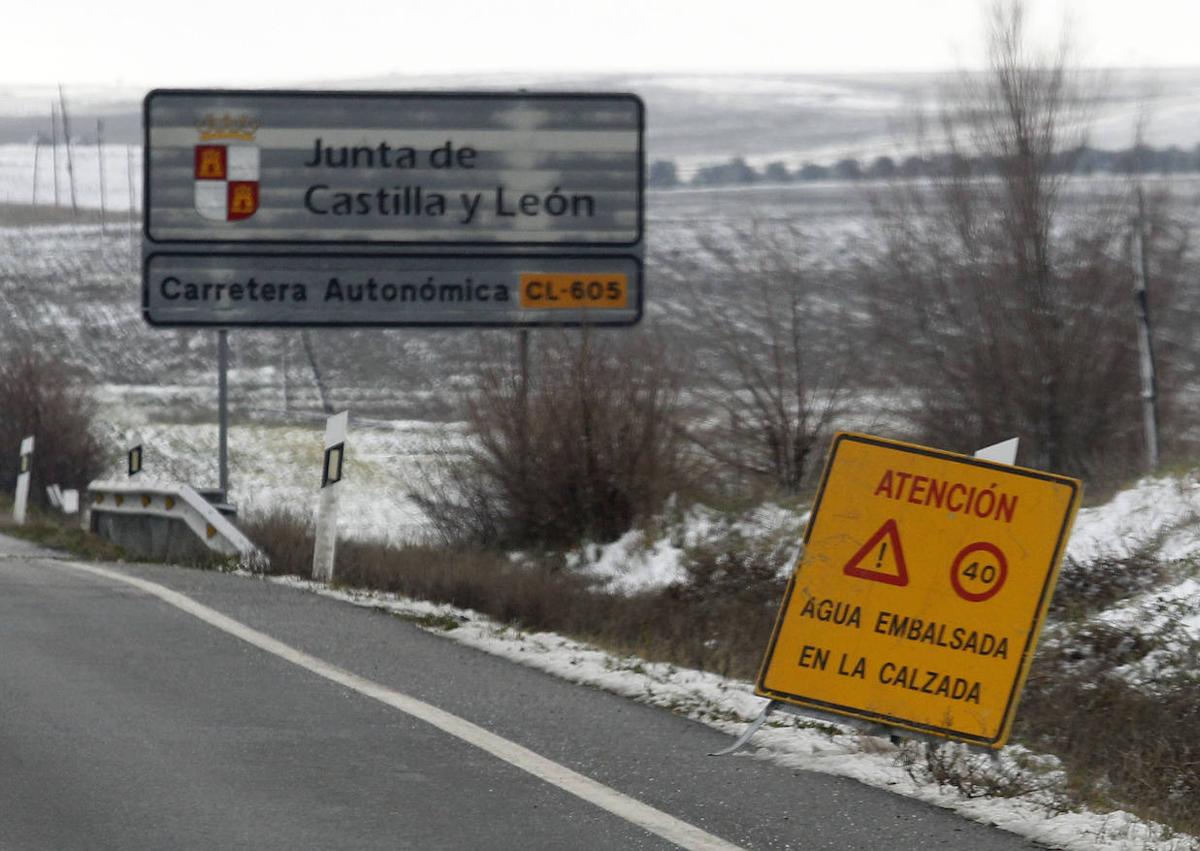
(924,582)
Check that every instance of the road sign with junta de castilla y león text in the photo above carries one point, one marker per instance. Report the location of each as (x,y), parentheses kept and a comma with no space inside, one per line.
(302,208)
(921,591)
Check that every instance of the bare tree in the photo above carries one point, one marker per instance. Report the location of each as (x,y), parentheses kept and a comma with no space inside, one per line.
(1004,298)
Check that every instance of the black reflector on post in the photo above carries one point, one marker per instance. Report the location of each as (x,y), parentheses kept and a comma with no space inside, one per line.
(135,460)
(332,470)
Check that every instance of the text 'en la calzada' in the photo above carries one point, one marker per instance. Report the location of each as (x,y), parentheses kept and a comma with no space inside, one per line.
(910,677)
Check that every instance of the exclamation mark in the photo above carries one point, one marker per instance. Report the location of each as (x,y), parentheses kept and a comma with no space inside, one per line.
(882,552)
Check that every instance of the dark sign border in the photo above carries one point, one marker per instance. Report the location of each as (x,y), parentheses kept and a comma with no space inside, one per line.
(340,255)
(360,94)
(1039,613)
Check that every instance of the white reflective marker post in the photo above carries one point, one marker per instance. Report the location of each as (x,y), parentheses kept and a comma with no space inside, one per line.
(24,472)
(331,474)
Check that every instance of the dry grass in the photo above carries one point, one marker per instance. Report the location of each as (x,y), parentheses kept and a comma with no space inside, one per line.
(57,532)
(719,624)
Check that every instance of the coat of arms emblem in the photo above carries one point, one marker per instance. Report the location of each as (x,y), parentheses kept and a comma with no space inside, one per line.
(226,169)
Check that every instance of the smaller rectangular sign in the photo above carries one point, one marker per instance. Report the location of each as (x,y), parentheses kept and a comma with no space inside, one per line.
(575,290)
(229,290)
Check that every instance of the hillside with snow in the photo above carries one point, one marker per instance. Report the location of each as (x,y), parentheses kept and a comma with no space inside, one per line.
(693,120)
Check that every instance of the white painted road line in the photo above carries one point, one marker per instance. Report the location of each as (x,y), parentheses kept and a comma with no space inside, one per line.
(667,826)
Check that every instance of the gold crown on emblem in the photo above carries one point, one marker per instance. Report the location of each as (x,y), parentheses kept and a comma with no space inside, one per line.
(241,127)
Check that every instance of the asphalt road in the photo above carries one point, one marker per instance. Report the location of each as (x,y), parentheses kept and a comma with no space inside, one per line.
(126,722)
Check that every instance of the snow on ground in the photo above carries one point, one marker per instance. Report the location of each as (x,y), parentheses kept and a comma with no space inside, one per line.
(639,561)
(728,705)
(279,467)
(114,179)
(1166,508)
(1163,511)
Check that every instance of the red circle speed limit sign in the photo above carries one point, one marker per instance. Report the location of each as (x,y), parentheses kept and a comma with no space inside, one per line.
(978,572)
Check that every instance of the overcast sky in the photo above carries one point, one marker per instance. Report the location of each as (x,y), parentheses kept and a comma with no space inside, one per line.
(224,42)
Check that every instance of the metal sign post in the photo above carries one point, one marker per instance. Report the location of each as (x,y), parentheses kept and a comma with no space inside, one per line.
(921,593)
(24,473)
(325,547)
(301,209)
(223,413)
(1146,369)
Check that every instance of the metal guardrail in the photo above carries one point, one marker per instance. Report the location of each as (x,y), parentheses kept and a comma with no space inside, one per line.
(173,502)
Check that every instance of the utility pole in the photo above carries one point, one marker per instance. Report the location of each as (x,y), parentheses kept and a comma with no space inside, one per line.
(132,206)
(54,150)
(100,166)
(66,123)
(37,149)
(1145,347)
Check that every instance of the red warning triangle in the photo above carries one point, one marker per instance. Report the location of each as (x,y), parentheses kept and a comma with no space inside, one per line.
(871,562)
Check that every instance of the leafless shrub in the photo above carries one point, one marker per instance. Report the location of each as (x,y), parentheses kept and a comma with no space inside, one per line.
(579,447)
(38,397)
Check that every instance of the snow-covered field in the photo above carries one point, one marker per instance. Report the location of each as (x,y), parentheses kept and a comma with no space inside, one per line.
(119,184)
(279,468)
